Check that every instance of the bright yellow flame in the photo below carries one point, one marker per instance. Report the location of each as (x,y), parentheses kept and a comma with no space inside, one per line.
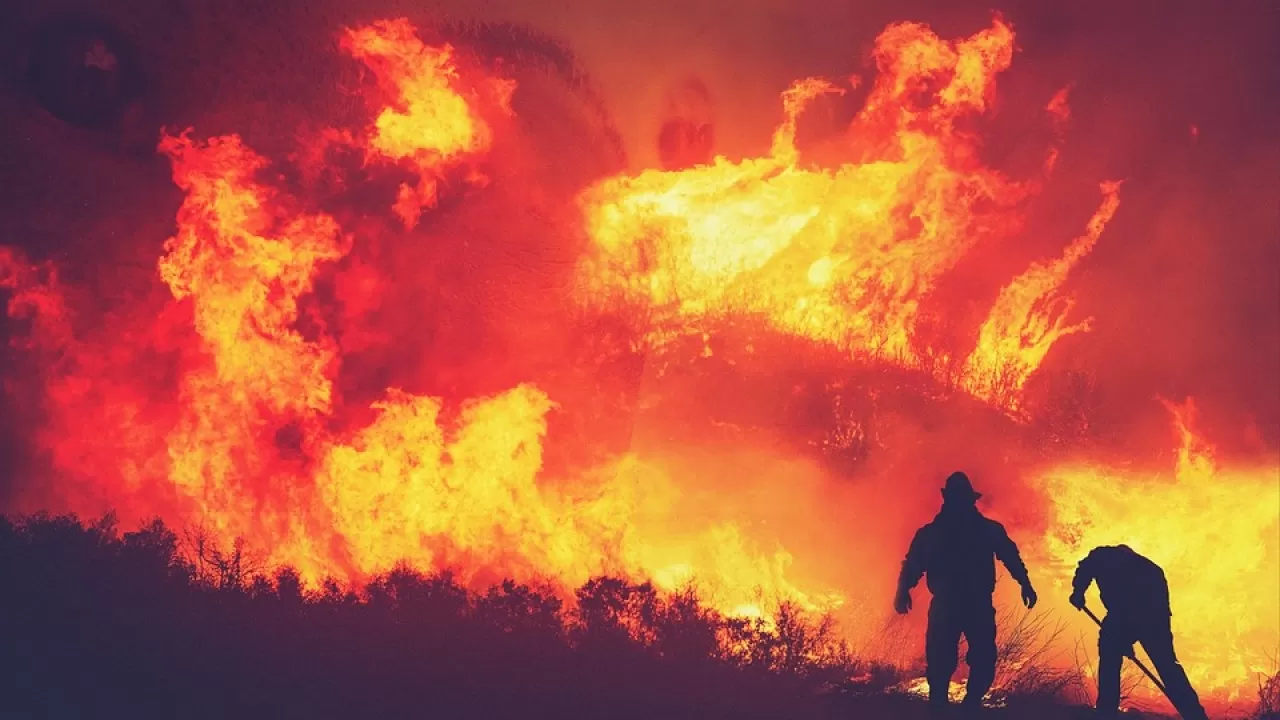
(1029,316)
(843,255)
(253,451)
(1216,533)
(430,124)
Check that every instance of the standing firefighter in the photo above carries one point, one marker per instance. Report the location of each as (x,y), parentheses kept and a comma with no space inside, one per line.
(957,552)
(1136,595)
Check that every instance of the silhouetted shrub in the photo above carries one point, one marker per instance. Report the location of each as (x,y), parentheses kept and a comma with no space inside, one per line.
(151,624)
(154,624)
(1268,698)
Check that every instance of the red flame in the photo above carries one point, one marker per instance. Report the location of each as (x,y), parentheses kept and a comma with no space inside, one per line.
(222,409)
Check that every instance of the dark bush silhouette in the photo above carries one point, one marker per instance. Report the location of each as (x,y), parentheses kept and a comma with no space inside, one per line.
(148,624)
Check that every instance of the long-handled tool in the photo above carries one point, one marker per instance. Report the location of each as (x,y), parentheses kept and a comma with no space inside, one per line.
(1132,656)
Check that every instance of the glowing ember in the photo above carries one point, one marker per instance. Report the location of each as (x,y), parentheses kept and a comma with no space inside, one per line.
(919,687)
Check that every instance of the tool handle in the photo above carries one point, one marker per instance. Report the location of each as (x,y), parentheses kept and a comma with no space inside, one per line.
(1132,655)
(1093,617)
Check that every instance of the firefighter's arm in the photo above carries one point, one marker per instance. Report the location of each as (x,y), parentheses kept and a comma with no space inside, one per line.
(913,568)
(1083,579)
(1007,551)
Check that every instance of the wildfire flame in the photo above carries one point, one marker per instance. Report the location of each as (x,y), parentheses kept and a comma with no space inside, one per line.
(429,124)
(223,410)
(250,450)
(1029,316)
(1216,532)
(844,256)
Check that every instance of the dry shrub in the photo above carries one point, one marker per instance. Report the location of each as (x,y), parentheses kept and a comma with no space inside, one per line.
(1269,695)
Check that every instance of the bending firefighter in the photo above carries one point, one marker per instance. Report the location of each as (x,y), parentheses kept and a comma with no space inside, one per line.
(1136,595)
(957,553)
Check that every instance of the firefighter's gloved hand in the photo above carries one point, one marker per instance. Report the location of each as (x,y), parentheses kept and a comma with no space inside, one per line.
(902,601)
(1028,596)
(1077,600)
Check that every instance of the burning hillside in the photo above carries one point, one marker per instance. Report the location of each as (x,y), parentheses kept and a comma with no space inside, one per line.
(367,351)
(847,256)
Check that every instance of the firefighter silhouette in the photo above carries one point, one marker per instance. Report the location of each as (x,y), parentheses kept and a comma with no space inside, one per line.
(1136,595)
(957,552)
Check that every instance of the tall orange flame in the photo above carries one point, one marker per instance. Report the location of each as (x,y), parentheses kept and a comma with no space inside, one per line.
(847,255)
(1216,532)
(1029,316)
(429,124)
(255,442)
(252,450)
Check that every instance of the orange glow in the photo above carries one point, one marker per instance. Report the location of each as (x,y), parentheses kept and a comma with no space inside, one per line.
(253,454)
(429,124)
(243,263)
(408,486)
(1058,106)
(1029,316)
(1215,531)
(226,410)
(846,255)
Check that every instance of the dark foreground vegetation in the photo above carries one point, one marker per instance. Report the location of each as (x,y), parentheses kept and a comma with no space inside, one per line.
(139,625)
